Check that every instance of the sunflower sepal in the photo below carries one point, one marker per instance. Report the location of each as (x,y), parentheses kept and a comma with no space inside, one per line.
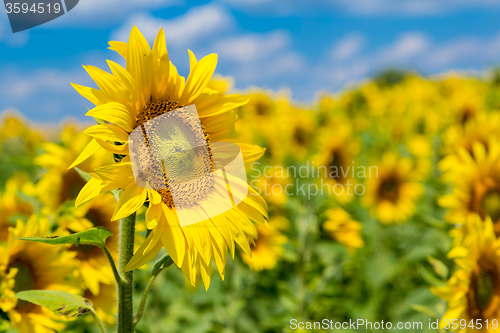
(162,263)
(99,121)
(85,175)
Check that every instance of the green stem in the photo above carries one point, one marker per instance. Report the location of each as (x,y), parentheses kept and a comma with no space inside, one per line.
(117,275)
(125,288)
(99,322)
(163,263)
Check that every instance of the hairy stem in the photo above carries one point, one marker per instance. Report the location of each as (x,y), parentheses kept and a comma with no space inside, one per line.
(125,288)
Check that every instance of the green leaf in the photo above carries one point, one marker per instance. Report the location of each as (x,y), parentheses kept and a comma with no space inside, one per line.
(94,236)
(57,301)
(85,175)
(439,268)
(424,310)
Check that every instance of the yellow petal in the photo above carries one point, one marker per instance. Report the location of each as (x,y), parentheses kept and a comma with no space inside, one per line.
(139,259)
(107,132)
(112,89)
(223,122)
(115,149)
(89,191)
(130,201)
(197,234)
(219,250)
(189,269)
(89,150)
(173,238)
(117,174)
(115,113)
(175,85)
(121,74)
(206,273)
(154,197)
(192,60)
(198,78)
(153,215)
(95,96)
(250,153)
(215,104)
(120,47)
(116,170)
(139,64)
(154,241)
(161,66)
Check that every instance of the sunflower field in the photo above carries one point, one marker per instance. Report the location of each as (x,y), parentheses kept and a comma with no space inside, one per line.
(378,205)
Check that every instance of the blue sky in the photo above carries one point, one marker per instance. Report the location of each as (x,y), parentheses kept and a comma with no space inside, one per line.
(303,46)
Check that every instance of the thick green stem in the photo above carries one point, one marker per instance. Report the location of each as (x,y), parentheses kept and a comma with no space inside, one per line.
(125,288)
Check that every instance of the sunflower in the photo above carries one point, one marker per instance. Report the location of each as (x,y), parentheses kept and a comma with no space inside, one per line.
(473,291)
(341,227)
(268,247)
(476,185)
(481,129)
(264,108)
(222,84)
(421,148)
(148,87)
(274,184)
(467,101)
(16,132)
(93,264)
(457,139)
(335,160)
(261,105)
(392,193)
(104,302)
(29,265)
(13,125)
(59,184)
(12,205)
(300,129)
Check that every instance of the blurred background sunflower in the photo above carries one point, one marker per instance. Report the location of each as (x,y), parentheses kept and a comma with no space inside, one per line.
(370,136)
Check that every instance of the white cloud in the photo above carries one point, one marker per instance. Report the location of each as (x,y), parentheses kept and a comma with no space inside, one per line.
(407,46)
(198,23)
(347,47)
(44,93)
(252,47)
(104,12)
(362,7)
(464,49)
(20,85)
(256,59)
(411,50)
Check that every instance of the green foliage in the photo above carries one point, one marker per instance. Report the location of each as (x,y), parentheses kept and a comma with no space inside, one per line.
(94,236)
(59,302)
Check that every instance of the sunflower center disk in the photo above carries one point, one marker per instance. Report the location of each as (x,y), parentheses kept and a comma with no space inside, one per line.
(483,298)
(491,205)
(172,154)
(25,280)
